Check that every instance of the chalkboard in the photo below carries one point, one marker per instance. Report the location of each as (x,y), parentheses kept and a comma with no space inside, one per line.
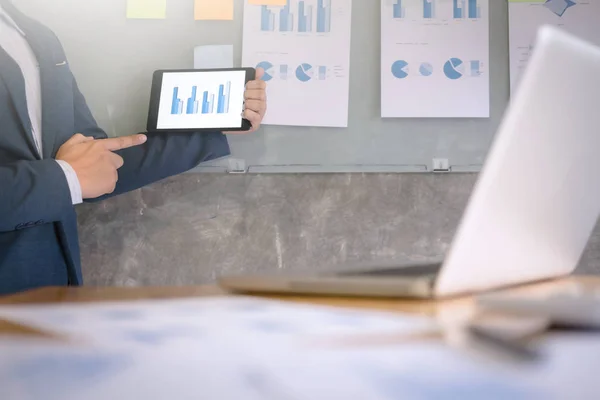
(113,59)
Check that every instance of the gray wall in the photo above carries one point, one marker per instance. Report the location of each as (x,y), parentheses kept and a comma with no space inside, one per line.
(187,229)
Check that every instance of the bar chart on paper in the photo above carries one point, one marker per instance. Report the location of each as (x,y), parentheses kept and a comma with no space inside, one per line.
(466,9)
(437,50)
(399,10)
(302,16)
(433,9)
(429,9)
(579,17)
(304,48)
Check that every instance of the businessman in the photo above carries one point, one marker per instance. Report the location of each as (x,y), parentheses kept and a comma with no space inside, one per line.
(54,156)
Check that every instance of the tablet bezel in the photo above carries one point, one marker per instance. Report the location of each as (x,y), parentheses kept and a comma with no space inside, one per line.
(157,79)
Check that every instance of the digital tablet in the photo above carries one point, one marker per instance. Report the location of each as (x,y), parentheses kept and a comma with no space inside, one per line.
(199,100)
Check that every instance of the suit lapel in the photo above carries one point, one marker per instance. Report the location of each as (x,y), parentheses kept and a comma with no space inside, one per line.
(47,70)
(48,65)
(13,80)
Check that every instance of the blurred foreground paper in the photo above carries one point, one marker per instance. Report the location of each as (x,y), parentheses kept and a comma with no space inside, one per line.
(141,322)
(245,348)
(146,9)
(213,9)
(213,56)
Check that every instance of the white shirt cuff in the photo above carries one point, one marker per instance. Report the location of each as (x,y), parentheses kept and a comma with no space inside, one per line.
(73,181)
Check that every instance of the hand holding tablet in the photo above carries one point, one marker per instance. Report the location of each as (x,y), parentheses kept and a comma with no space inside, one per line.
(206,100)
(256,101)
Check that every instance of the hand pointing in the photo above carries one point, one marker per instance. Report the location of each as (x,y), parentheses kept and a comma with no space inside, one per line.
(94,161)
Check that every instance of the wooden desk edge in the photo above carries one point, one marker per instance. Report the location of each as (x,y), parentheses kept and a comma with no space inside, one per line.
(85,294)
(439,308)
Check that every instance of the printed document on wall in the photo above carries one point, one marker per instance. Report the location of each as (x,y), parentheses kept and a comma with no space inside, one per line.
(304,48)
(579,17)
(435,59)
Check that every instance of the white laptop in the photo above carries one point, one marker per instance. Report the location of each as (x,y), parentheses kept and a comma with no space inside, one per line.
(535,204)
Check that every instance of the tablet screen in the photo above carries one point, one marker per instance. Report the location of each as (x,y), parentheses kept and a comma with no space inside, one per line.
(201,100)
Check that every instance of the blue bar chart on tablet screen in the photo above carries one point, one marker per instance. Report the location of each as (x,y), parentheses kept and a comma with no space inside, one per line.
(200,99)
(177,105)
(207,105)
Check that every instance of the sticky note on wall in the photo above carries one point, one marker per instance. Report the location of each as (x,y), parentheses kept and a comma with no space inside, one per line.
(146,9)
(268,2)
(213,9)
(213,56)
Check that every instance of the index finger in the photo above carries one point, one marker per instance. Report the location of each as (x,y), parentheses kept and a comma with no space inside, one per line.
(123,142)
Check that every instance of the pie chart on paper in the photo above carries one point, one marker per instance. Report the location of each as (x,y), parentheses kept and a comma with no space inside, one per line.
(268,67)
(304,72)
(454,68)
(426,69)
(400,69)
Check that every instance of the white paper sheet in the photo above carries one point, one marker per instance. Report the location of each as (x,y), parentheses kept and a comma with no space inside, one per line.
(213,56)
(245,348)
(579,17)
(218,348)
(146,323)
(435,59)
(304,48)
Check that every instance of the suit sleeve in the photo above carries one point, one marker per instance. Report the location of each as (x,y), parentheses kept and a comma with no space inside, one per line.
(33,193)
(163,155)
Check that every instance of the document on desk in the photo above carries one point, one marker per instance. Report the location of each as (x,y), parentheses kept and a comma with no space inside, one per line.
(208,348)
(244,348)
(166,320)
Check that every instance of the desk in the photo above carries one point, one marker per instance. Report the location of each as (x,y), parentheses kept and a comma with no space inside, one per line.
(449,310)
(434,363)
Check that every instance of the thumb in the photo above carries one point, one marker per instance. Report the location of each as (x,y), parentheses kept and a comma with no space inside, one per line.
(260,72)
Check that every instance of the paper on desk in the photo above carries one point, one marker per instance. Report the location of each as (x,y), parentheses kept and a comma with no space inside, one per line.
(220,369)
(213,56)
(240,318)
(245,348)
(221,348)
